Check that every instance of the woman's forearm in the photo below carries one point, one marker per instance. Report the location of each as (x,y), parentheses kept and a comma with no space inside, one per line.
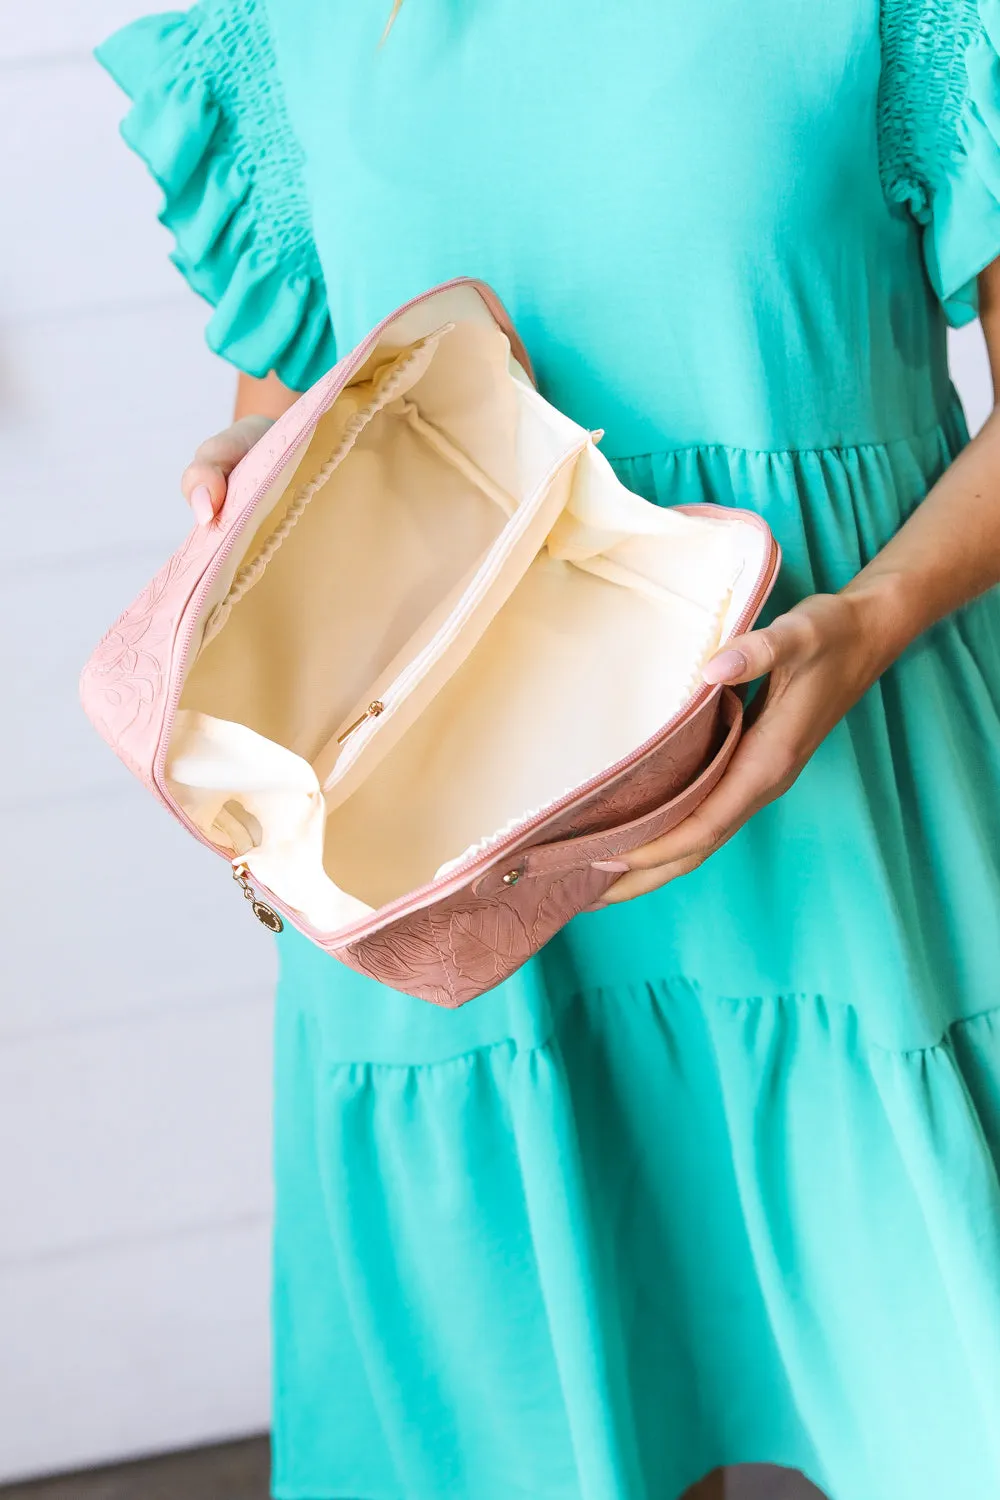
(262,398)
(948,552)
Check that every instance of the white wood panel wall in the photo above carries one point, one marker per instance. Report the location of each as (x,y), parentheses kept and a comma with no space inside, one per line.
(135,1015)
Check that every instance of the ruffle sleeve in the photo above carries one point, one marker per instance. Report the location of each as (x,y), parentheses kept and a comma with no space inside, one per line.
(940,136)
(208,118)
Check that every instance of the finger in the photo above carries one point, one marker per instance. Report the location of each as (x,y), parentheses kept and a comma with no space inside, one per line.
(204,481)
(204,488)
(753,710)
(757,774)
(788,639)
(641,882)
(225,449)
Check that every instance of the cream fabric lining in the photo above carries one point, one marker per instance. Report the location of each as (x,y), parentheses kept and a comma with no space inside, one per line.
(467,557)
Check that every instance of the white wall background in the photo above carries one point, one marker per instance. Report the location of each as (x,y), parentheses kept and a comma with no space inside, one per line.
(134,1066)
(134,1024)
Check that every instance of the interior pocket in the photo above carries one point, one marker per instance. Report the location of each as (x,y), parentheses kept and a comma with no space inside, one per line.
(433,655)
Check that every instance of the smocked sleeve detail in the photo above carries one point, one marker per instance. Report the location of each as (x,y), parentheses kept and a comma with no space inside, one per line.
(209,119)
(939,132)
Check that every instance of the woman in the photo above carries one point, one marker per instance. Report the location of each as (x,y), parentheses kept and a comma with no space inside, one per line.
(715,1178)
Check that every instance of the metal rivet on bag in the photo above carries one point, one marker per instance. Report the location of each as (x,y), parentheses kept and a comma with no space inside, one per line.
(512,877)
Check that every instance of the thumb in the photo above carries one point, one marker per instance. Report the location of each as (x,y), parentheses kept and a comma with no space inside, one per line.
(205,479)
(747,657)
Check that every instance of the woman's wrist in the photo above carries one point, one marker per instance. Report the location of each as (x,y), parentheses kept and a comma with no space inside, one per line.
(888,613)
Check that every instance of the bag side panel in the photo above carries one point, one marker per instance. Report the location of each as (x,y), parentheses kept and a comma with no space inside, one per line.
(126,685)
(472,940)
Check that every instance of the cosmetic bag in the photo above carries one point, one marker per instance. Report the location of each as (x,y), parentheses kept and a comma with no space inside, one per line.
(433,666)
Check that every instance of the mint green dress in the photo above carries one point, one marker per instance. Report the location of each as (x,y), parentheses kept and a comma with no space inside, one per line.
(715,1177)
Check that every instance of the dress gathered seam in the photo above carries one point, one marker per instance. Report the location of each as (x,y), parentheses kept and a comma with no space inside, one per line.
(676,450)
(654,990)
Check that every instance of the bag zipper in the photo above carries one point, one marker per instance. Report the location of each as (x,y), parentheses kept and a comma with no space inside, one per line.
(376,707)
(265,914)
(268,913)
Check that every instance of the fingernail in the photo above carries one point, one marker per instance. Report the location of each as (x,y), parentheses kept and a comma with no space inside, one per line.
(725,666)
(613,866)
(201,504)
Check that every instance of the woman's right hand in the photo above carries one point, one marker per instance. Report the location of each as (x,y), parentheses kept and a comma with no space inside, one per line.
(204,480)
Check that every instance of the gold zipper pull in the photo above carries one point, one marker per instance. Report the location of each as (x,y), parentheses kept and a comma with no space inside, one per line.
(373,710)
(265,914)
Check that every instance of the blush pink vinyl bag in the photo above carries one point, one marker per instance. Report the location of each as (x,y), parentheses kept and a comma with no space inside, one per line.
(433,664)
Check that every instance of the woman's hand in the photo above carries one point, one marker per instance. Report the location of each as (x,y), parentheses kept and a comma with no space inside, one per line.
(204,481)
(258,404)
(820,657)
(827,651)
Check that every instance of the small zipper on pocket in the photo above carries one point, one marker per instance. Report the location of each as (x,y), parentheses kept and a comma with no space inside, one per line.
(373,710)
(417,669)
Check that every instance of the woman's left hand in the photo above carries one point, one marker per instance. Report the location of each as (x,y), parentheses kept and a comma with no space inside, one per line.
(820,657)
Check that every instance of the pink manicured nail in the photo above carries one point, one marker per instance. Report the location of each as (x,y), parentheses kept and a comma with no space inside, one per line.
(201,504)
(725,666)
(613,866)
